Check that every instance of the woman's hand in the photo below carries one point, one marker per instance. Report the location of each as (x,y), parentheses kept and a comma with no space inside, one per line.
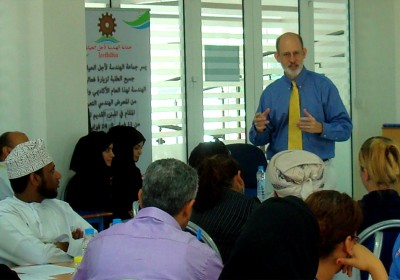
(363,259)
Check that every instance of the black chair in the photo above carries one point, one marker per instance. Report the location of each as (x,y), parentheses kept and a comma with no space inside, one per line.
(249,158)
(380,239)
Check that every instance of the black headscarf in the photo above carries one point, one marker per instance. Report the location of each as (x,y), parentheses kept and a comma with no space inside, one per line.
(124,139)
(127,178)
(88,151)
(90,187)
(279,241)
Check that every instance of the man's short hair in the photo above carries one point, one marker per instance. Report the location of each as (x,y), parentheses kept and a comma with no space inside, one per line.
(4,142)
(169,184)
(205,150)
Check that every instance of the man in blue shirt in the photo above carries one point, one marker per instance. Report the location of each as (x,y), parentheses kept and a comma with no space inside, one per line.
(324,119)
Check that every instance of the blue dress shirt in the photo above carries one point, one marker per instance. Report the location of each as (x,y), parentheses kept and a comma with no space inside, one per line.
(320,97)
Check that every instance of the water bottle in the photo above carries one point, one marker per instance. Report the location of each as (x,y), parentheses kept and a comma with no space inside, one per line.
(261,184)
(116,221)
(89,234)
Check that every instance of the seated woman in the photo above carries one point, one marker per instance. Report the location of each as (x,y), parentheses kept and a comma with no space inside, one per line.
(90,187)
(220,208)
(128,144)
(339,217)
(379,160)
(279,241)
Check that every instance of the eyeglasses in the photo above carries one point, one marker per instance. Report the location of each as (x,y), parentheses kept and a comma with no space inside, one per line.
(355,238)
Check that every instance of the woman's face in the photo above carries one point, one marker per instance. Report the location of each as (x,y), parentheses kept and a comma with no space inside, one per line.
(137,151)
(108,155)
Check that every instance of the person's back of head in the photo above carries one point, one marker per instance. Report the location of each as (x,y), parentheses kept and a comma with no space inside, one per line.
(379,157)
(296,172)
(206,149)
(279,241)
(339,218)
(9,140)
(216,173)
(338,215)
(169,184)
(124,139)
(87,155)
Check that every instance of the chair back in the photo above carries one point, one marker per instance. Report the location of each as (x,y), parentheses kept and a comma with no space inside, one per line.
(135,207)
(380,239)
(202,235)
(249,158)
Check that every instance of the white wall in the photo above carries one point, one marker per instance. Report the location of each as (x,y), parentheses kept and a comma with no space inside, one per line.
(375,58)
(43,73)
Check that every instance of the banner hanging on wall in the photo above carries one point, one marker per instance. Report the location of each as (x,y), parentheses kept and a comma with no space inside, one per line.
(118,69)
(118,72)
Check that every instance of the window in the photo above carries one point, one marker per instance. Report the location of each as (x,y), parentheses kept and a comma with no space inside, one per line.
(276,20)
(223,68)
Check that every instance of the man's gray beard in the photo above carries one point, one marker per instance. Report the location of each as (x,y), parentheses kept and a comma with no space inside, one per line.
(294,73)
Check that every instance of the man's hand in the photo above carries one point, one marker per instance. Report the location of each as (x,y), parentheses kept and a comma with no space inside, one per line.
(260,120)
(77,234)
(62,245)
(309,123)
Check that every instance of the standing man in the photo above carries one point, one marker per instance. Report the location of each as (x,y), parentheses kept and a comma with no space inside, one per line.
(321,118)
(153,244)
(35,227)
(8,141)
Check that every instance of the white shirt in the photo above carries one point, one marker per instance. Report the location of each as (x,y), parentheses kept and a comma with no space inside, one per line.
(5,186)
(28,231)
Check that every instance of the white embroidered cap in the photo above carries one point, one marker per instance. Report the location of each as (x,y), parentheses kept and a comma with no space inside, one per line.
(26,158)
(296,172)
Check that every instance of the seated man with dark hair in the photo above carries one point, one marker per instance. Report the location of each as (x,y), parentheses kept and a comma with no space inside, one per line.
(206,150)
(35,227)
(153,245)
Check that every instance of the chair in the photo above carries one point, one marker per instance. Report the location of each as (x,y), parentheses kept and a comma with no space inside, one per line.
(249,158)
(202,236)
(380,239)
(135,208)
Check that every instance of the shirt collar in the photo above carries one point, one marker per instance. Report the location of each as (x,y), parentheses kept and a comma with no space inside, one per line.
(299,79)
(156,213)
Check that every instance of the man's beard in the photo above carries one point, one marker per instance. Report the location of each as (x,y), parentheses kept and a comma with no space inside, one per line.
(293,73)
(45,191)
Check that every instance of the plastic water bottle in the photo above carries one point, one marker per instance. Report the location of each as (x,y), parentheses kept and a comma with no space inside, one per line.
(89,234)
(261,184)
(116,221)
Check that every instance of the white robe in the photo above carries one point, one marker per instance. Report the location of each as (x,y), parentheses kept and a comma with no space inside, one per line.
(5,186)
(28,231)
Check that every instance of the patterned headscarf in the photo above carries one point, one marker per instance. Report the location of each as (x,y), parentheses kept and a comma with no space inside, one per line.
(296,172)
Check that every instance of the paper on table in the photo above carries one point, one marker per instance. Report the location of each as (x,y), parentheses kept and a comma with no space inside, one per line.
(41,271)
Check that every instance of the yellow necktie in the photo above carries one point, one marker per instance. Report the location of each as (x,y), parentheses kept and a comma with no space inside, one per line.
(295,141)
